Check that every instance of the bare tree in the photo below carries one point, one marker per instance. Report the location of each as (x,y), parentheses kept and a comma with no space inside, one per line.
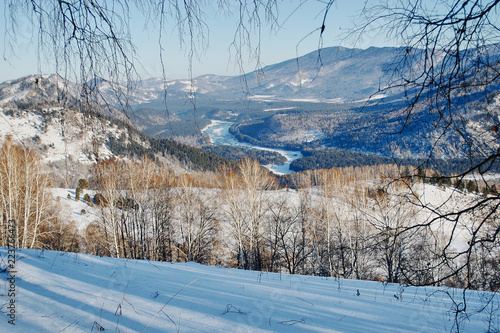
(138,201)
(24,199)
(197,219)
(232,197)
(246,203)
(390,214)
(162,213)
(448,71)
(287,234)
(256,183)
(110,185)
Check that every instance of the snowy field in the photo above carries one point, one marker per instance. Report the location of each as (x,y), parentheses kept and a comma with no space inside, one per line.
(67,292)
(70,210)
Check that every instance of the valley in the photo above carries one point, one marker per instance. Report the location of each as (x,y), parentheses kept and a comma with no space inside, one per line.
(310,188)
(359,196)
(319,115)
(339,107)
(300,115)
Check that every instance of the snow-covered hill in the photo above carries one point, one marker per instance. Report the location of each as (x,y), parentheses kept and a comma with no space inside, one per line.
(37,90)
(41,111)
(59,133)
(67,292)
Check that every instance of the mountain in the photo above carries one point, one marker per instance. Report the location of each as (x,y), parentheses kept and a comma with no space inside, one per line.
(38,91)
(319,80)
(329,99)
(42,112)
(334,74)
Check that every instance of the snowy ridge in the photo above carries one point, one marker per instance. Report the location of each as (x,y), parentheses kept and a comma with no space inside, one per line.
(37,90)
(59,134)
(57,291)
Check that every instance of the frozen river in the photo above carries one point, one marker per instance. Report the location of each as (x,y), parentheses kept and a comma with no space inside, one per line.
(219,134)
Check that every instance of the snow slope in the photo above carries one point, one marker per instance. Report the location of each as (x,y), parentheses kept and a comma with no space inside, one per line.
(60,134)
(67,292)
(70,210)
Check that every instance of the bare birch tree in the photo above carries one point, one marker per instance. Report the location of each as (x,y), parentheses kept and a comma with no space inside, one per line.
(162,207)
(287,234)
(232,198)
(197,221)
(246,201)
(256,183)
(24,199)
(110,185)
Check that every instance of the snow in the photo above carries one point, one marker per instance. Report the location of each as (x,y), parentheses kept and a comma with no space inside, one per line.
(14,97)
(68,292)
(280,109)
(188,86)
(483,177)
(315,100)
(64,135)
(72,209)
(263,98)
(373,97)
(307,100)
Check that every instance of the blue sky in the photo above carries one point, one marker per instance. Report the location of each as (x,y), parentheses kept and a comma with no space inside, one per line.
(290,40)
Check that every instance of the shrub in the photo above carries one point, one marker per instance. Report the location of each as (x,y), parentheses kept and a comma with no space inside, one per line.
(100,200)
(83,184)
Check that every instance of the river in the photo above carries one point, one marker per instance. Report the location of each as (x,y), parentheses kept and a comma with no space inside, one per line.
(218,131)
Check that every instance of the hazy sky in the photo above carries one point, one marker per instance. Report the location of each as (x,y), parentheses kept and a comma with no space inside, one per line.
(297,21)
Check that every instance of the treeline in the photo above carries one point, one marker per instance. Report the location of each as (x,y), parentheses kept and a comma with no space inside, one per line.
(327,158)
(358,222)
(237,153)
(195,158)
(336,158)
(341,222)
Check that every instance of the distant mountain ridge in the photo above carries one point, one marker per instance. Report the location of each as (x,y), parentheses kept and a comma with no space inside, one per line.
(329,75)
(333,74)
(330,98)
